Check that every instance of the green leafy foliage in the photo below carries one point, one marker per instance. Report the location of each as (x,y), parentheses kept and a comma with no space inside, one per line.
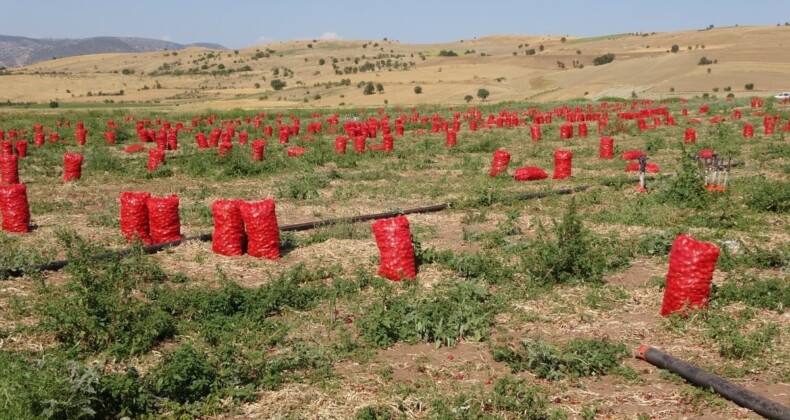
(572,254)
(185,375)
(464,310)
(769,196)
(768,293)
(578,358)
(686,188)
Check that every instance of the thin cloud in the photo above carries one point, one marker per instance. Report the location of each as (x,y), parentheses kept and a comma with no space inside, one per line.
(329,36)
(167,38)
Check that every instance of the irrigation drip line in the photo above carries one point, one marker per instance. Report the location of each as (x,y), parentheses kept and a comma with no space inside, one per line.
(733,392)
(297,227)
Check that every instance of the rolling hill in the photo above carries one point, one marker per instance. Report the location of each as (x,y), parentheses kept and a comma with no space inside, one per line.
(18,51)
(321,73)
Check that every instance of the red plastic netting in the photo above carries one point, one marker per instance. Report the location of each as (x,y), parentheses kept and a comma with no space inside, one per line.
(340,144)
(258,147)
(72,166)
(606,149)
(500,162)
(263,234)
(21,148)
(529,173)
(9,169)
(163,219)
(155,158)
(691,266)
(632,154)
(562,163)
(134,216)
(14,208)
(228,237)
(294,151)
(649,167)
(393,239)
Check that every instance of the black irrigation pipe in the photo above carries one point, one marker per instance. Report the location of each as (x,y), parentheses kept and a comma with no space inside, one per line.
(733,392)
(296,227)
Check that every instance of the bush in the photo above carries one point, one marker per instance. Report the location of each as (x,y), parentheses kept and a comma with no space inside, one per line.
(769,196)
(277,84)
(418,89)
(185,375)
(748,86)
(53,104)
(675,48)
(468,98)
(704,61)
(578,358)
(482,94)
(572,254)
(448,53)
(370,88)
(686,188)
(603,59)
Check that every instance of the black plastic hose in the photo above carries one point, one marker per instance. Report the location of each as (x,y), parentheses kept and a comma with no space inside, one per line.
(735,393)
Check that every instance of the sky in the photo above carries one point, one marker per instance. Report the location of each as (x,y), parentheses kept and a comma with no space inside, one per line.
(246,23)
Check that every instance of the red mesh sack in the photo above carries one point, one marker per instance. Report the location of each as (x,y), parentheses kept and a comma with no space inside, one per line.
(359,143)
(263,234)
(258,147)
(606,149)
(634,167)
(9,169)
(228,236)
(500,162)
(134,216)
(393,239)
(21,148)
(691,266)
(163,219)
(632,154)
(72,166)
(109,137)
(7,147)
(748,131)
(340,144)
(706,153)
(690,136)
(387,142)
(14,208)
(201,141)
(529,173)
(39,139)
(294,151)
(582,129)
(134,148)
(155,158)
(452,138)
(535,132)
(562,163)
(225,148)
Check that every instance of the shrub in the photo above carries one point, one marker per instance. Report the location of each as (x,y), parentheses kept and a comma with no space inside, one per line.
(769,196)
(482,94)
(277,84)
(704,61)
(468,98)
(448,53)
(675,48)
(603,59)
(53,104)
(686,188)
(748,86)
(418,89)
(578,358)
(571,254)
(185,375)
(370,88)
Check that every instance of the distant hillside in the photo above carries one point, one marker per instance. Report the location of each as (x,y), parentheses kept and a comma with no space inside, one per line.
(16,51)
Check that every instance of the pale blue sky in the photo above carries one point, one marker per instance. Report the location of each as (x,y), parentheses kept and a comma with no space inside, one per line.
(244,23)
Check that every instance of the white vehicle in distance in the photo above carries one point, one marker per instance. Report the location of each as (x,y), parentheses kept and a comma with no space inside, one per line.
(783,95)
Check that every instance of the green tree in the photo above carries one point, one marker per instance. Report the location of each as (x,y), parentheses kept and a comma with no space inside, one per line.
(468,98)
(418,89)
(277,84)
(675,48)
(379,88)
(369,88)
(483,94)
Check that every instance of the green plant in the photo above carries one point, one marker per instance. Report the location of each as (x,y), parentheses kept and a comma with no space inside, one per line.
(185,375)
(483,94)
(418,89)
(749,86)
(769,293)
(302,187)
(571,254)
(686,188)
(578,358)
(768,195)
(277,84)
(603,59)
